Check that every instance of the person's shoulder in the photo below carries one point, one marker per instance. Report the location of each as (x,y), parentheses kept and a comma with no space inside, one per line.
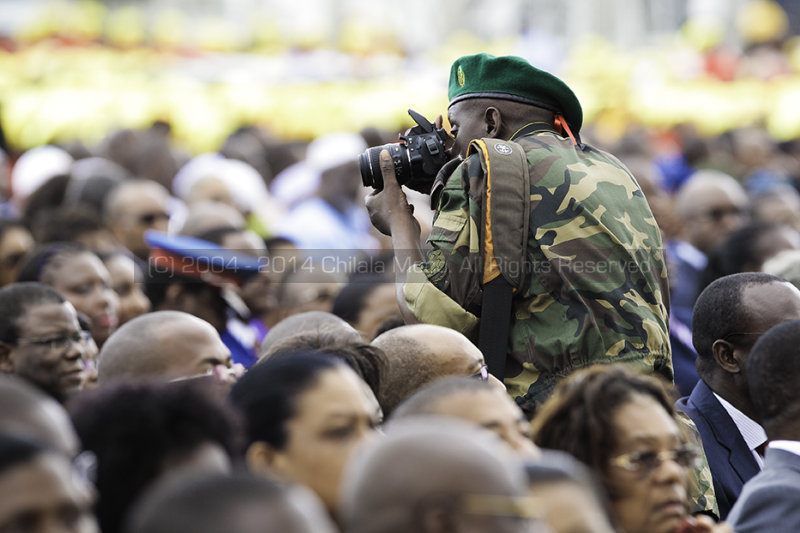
(768,501)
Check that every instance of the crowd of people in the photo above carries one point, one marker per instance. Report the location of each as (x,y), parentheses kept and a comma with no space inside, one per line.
(227,342)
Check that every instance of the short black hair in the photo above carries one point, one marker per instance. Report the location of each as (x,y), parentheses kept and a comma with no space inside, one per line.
(68,223)
(16,450)
(16,299)
(35,265)
(718,312)
(350,300)
(773,375)
(267,394)
(368,361)
(134,429)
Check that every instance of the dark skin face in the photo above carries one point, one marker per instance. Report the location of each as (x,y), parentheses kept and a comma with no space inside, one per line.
(767,306)
(57,370)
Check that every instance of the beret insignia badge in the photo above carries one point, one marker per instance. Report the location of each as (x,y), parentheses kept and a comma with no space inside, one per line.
(460,76)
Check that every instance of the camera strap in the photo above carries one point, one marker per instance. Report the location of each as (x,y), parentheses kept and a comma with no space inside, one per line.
(505,214)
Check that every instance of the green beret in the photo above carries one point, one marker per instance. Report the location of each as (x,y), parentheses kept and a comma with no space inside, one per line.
(512,78)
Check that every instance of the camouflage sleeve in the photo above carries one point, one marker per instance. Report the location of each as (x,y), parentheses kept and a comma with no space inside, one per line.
(445,289)
(701,486)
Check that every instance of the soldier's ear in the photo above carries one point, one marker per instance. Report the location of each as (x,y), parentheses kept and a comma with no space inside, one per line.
(493,121)
(724,356)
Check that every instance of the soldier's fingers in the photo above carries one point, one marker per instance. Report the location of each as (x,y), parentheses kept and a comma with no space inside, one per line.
(387,168)
(438,121)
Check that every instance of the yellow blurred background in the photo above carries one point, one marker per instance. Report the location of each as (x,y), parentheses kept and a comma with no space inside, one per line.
(80,69)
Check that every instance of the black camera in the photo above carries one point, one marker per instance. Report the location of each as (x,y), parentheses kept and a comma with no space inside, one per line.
(419,155)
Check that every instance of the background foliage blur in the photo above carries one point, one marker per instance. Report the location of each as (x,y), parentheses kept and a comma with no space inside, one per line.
(77,69)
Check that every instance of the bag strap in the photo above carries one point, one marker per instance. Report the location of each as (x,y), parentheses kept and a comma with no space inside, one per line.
(505,215)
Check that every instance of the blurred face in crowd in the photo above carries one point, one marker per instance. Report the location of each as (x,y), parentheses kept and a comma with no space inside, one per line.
(258,290)
(84,281)
(49,350)
(333,417)
(494,410)
(145,207)
(14,244)
(571,508)
(712,209)
(44,495)
(379,306)
(648,493)
(126,281)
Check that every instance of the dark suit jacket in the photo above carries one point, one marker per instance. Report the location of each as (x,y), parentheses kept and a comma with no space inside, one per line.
(730,460)
(770,502)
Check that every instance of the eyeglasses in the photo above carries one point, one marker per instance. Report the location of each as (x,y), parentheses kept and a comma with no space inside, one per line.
(221,372)
(482,374)
(719,213)
(148,219)
(59,343)
(645,462)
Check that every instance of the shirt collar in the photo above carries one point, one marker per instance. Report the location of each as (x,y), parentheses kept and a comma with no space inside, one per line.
(791,446)
(752,432)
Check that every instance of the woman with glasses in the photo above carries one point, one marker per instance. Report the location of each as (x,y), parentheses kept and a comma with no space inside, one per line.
(623,426)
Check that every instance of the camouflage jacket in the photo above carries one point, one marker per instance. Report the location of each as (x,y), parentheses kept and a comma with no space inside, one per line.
(595,285)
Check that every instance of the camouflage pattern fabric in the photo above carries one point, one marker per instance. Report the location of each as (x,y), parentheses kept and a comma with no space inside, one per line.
(702,498)
(596,281)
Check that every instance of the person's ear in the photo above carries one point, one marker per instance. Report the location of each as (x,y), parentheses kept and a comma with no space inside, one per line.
(493,120)
(6,358)
(724,356)
(173,296)
(262,457)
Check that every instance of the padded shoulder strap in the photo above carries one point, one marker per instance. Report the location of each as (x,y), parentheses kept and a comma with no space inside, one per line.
(506,209)
(505,214)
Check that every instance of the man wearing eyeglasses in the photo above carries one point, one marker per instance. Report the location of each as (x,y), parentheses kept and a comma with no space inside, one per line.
(40,339)
(731,314)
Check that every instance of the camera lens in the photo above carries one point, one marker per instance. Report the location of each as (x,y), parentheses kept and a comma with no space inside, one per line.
(370,165)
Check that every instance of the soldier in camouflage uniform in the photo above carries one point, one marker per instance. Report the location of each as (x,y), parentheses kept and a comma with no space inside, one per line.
(594,284)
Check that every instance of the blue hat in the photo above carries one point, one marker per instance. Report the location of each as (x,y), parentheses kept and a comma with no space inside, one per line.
(199,259)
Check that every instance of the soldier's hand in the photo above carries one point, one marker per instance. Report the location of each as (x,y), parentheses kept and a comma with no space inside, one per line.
(387,205)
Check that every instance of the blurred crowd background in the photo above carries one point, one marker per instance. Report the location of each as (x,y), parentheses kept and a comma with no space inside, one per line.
(78,69)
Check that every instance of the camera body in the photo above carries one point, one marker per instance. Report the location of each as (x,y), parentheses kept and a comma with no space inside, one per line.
(417,158)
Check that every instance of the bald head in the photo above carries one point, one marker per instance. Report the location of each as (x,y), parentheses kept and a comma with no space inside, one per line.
(423,469)
(28,412)
(240,503)
(713,204)
(167,344)
(418,354)
(318,322)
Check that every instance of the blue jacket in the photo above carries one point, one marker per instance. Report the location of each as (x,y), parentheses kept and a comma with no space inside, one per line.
(729,458)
